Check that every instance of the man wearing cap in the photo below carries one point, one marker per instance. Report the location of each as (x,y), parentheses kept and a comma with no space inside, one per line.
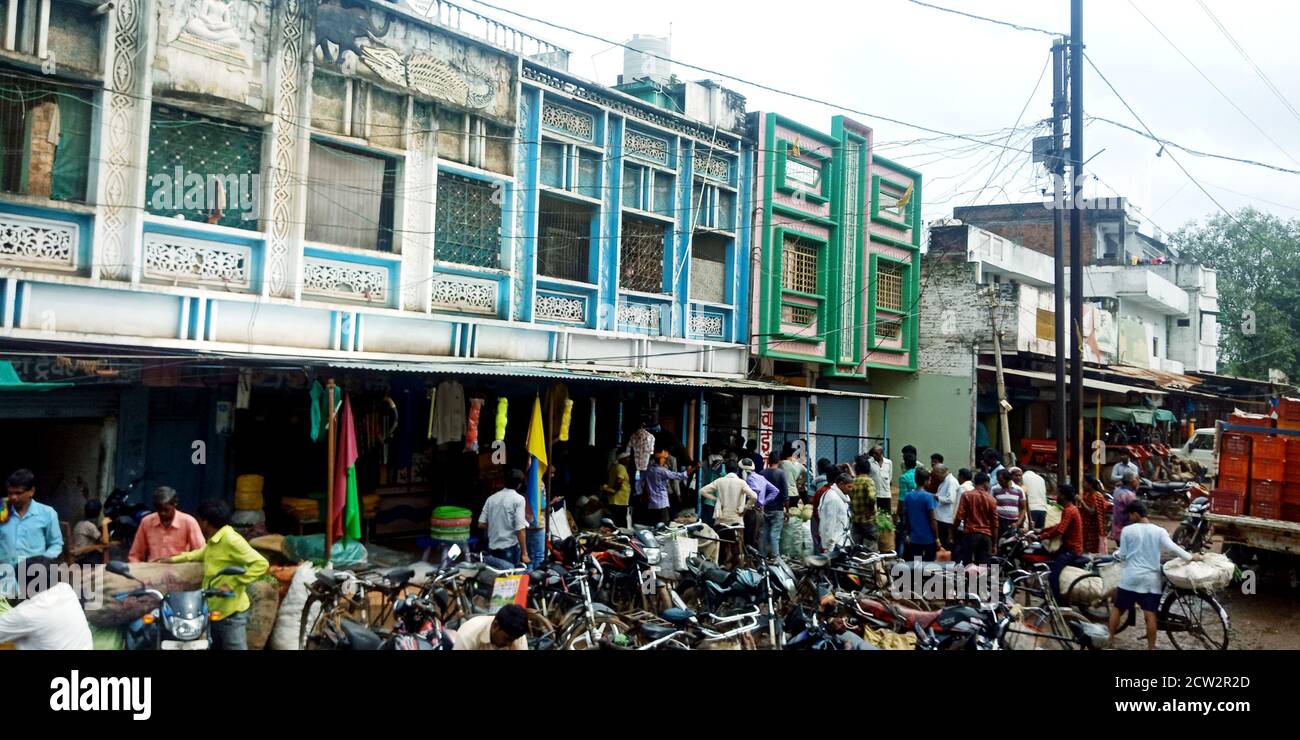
(655,487)
(716,469)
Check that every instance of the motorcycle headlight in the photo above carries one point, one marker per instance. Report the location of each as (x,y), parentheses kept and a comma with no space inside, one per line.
(185,629)
(653,555)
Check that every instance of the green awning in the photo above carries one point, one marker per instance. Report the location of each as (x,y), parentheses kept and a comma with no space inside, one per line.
(1165,415)
(1122,414)
(9,381)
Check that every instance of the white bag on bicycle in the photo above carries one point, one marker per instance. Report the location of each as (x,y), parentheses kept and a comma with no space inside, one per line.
(284,636)
(1081,587)
(1214,571)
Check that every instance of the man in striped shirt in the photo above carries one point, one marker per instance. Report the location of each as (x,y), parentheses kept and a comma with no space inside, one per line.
(1011,503)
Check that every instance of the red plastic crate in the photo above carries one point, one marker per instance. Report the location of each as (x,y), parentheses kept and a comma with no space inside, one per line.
(1266,509)
(1228,503)
(1231,484)
(1292,470)
(1291,493)
(1251,420)
(1235,466)
(1293,448)
(1291,512)
(1265,491)
(1288,409)
(1237,445)
(1263,468)
(1269,447)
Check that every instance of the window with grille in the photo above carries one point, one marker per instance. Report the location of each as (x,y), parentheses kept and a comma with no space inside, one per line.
(44,140)
(888,329)
(218,165)
(641,260)
(889,286)
(467,222)
(798,315)
(350,197)
(563,239)
(708,268)
(799,265)
(571,167)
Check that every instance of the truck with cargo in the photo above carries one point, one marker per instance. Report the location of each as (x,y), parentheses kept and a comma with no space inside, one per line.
(1255,502)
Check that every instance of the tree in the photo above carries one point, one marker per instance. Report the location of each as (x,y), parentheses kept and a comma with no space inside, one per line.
(1257,257)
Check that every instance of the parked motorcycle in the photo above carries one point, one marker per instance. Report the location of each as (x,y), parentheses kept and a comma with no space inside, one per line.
(1193,533)
(418,628)
(180,622)
(971,626)
(719,589)
(123,515)
(1167,497)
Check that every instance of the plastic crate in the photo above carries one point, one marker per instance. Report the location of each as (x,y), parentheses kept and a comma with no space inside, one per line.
(1288,409)
(1263,468)
(1227,503)
(1232,484)
(1266,509)
(1237,445)
(1251,420)
(1265,491)
(1292,470)
(1291,512)
(1235,466)
(1291,493)
(1269,447)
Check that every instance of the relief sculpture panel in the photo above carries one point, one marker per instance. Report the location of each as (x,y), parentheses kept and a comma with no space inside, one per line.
(215,48)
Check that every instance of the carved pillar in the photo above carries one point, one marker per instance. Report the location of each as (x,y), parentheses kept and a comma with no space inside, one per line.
(290,95)
(124,138)
(419,184)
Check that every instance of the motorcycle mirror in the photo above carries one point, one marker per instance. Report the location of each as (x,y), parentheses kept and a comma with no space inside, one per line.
(453,552)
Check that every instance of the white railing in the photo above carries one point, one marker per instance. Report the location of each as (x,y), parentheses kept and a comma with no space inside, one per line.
(468,294)
(38,242)
(180,259)
(451,15)
(347,280)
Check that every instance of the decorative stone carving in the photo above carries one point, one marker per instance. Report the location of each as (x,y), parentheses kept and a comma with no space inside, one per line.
(123,109)
(550,307)
(344,280)
(38,241)
(651,148)
(284,127)
(472,295)
(568,121)
(213,28)
(714,168)
(338,28)
(455,83)
(594,95)
(516,311)
(639,315)
(184,260)
(705,325)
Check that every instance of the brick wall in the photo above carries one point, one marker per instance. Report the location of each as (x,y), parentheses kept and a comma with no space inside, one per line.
(1032,225)
(955,317)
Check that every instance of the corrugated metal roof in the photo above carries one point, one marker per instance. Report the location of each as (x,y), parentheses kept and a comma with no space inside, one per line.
(568,374)
(1099,385)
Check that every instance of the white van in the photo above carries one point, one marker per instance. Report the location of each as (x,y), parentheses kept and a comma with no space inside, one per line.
(1199,448)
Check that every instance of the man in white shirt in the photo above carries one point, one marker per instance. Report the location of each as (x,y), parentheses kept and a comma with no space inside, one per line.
(882,472)
(1141,544)
(508,630)
(503,518)
(948,494)
(1035,488)
(732,497)
(51,620)
(833,513)
(1124,467)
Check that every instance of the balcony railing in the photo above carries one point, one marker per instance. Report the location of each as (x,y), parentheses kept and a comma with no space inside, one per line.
(39,242)
(450,15)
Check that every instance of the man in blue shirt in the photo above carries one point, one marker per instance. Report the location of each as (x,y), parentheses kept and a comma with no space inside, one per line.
(655,483)
(922,529)
(27,528)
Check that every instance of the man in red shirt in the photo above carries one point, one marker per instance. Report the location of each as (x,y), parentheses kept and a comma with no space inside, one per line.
(1070,529)
(166,532)
(977,513)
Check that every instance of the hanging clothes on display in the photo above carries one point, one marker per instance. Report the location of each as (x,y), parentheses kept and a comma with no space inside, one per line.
(503,405)
(449,421)
(471,426)
(642,444)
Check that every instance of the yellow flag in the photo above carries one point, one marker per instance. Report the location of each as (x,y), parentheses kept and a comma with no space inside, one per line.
(537,436)
(794,148)
(907,198)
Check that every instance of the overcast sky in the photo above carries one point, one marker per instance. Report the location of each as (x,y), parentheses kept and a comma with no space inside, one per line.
(904,61)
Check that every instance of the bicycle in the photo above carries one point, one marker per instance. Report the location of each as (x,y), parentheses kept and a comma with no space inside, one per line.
(1191,619)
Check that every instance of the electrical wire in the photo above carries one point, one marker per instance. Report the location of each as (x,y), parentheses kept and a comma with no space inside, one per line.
(1016,26)
(1242,51)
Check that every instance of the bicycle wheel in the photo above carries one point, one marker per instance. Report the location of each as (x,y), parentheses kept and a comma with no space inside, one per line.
(309,626)
(1194,621)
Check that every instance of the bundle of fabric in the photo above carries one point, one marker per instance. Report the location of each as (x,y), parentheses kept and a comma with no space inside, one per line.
(302,509)
(248,492)
(264,603)
(345,554)
(451,524)
(1082,588)
(1213,572)
(164,577)
(889,640)
(796,538)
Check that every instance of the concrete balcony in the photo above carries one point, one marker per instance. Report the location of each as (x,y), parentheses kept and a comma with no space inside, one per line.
(1138,285)
(997,255)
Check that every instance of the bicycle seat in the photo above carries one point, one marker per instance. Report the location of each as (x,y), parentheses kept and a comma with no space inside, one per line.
(399,576)
(654,632)
(359,637)
(677,616)
(816,561)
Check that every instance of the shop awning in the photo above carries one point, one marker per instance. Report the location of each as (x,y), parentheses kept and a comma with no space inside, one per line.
(1123,414)
(1097,385)
(567,374)
(9,381)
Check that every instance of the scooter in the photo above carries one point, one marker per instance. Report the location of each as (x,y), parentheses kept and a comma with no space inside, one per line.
(181,620)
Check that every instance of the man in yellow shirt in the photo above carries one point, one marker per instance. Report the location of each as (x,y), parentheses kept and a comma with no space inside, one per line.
(619,489)
(225,547)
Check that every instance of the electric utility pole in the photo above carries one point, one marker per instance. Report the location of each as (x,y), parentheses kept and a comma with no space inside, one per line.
(1076,240)
(1056,164)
